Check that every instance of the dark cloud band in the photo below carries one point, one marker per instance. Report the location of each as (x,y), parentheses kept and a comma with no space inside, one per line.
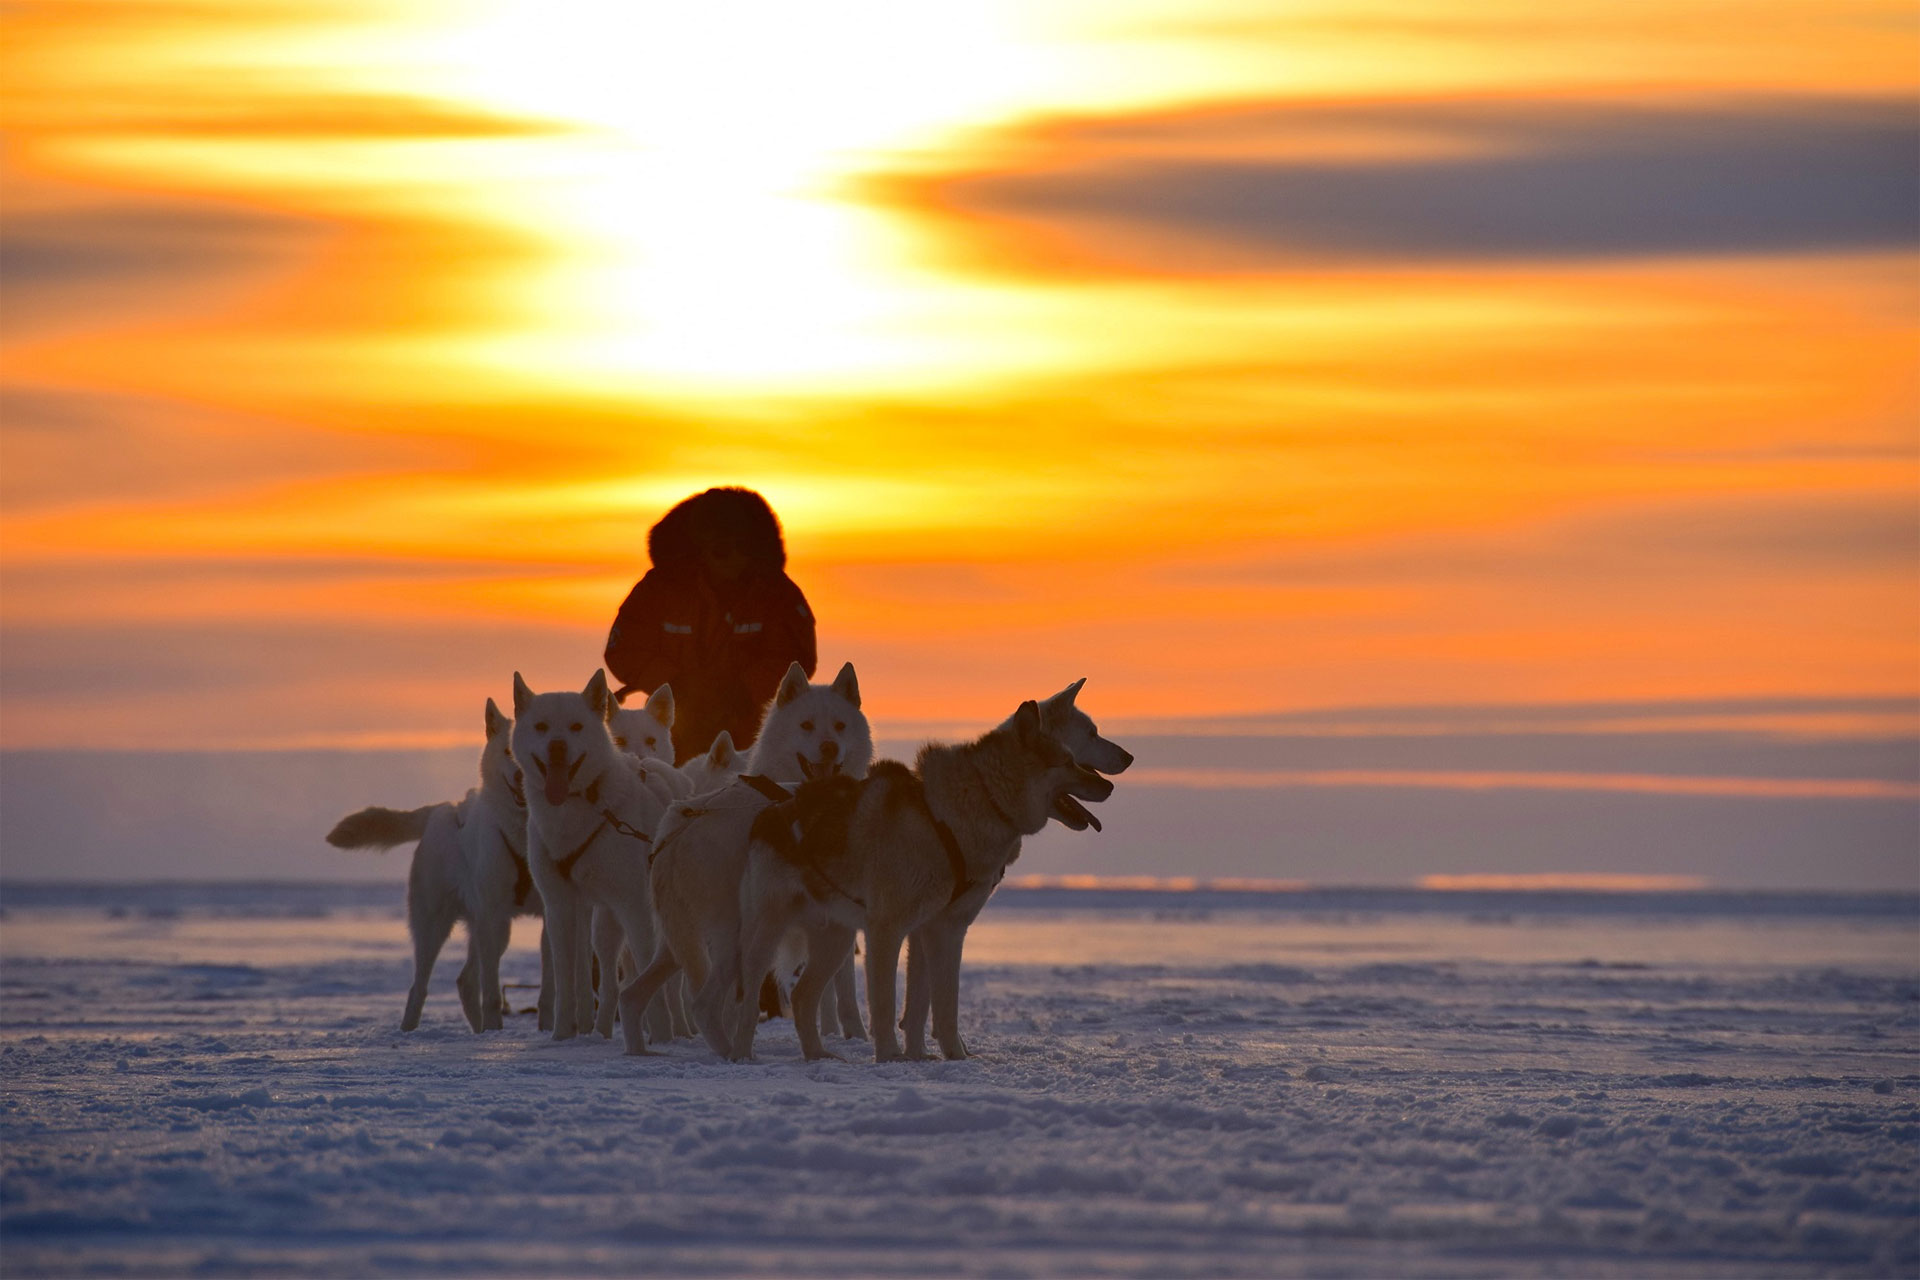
(1525,181)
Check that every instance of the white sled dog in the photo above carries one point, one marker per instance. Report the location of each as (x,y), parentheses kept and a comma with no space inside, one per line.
(470,864)
(945,935)
(645,734)
(588,821)
(888,855)
(719,766)
(722,763)
(701,847)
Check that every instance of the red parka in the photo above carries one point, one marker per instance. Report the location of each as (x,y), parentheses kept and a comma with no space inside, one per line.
(723,645)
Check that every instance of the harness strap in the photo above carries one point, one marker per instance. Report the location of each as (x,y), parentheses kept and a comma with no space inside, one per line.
(766,786)
(625,829)
(956,860)
(565,865)
(831,883)
(522,873)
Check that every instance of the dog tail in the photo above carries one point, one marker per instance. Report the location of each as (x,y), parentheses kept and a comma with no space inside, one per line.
(378,828)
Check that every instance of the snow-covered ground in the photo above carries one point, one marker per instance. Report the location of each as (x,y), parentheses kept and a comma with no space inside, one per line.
(209,1081)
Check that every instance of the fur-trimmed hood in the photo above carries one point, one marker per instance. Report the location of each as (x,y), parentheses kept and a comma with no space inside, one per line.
(741,515)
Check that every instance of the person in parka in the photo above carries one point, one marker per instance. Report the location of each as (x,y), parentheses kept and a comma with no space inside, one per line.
(716,617)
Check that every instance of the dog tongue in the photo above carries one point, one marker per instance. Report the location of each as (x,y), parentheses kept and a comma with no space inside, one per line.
(1075,814)
(556,773)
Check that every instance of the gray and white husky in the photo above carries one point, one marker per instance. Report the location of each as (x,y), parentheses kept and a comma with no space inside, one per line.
(888,856)
(935,946)
(470,864)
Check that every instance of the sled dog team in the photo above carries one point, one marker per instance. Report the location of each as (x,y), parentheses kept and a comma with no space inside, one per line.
(691,885)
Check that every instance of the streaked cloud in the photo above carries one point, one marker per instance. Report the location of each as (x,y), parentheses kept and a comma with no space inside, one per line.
(92,450)
(1267,185)
(1529,780)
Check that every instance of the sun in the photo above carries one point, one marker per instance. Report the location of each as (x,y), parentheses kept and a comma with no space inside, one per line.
(698,212)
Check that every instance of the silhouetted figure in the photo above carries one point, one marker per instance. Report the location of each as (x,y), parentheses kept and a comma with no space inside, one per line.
(716,617)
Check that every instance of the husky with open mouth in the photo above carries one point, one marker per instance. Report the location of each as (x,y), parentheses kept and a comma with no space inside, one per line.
(944,936)
(889,855)
(590,818)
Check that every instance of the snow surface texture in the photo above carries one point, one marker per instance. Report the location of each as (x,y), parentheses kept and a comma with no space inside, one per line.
(212,1083)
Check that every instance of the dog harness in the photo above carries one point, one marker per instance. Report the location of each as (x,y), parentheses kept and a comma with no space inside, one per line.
(523,877)
(608,818)
(758,781)
(522,874)
(956,861)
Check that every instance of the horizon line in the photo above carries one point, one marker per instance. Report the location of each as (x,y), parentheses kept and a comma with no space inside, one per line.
(1438,884)
(1875,715)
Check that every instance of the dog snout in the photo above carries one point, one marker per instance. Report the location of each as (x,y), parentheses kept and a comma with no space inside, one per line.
(1088,785)
(829,752)
(557,774)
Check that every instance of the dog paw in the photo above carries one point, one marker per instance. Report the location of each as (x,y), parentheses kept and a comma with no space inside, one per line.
(825,1055)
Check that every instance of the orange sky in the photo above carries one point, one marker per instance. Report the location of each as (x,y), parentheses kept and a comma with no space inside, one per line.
(1239,358)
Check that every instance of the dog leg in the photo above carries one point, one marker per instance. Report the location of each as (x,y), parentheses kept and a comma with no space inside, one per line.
(571,960)
(847,1001)
(677,995)
(491,936)
(468,983)
(944,971)
(829,947)
(543,1008)
(582,965)
(829,1006)
(913,1023)
(883,961)
(713,1009)
(634,921)
(608,941)
(746,1025)
(429,935)
(635,995)
(757,955)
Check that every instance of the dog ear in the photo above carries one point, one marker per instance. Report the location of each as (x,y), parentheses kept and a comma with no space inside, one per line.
(1026,721)
(521,696)
(721,753)
(847,684)
(599,697)
(495,721)
(1063,700)
(660,705)
(792,685)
